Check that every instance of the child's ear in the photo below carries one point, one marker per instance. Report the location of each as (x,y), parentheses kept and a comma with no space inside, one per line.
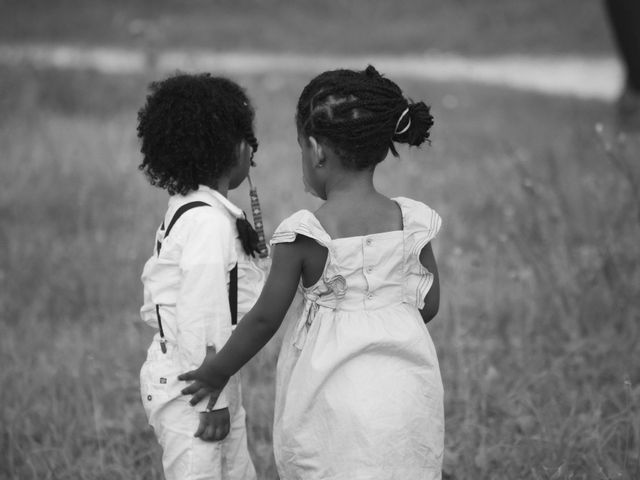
(318,152)
(241,148)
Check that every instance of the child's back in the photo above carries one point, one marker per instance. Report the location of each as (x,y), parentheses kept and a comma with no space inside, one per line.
(358,378)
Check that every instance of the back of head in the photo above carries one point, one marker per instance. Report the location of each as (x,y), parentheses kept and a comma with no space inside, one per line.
(360,114)
(190,127)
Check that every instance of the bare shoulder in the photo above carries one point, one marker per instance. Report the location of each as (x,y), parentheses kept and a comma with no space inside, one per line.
(302,257)
(309,249)
(302,246)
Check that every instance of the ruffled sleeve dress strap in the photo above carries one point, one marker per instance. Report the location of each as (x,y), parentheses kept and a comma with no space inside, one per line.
(421,225)
(327,291)
(303,222)
(332,283)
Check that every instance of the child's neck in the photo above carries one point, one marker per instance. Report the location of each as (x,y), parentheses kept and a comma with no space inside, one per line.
(221,186)
(348,186)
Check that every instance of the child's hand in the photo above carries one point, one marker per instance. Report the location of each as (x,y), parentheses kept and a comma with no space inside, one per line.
(214,425)
(198,389)
(206,382)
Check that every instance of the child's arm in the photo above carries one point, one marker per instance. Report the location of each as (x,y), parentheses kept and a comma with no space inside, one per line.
(432,300)
(257,327)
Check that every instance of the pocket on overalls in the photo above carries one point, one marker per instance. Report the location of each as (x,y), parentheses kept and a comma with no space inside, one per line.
(157,388)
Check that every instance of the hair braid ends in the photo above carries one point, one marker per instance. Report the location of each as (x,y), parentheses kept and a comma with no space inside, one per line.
(415,128)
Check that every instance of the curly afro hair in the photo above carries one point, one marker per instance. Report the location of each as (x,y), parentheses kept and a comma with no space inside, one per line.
(190,127)
(360,114)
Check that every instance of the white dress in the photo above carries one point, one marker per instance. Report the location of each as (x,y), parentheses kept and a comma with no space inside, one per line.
(358,390)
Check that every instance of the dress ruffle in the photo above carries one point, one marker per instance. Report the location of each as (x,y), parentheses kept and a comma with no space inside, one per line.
(421,225)
(331,286)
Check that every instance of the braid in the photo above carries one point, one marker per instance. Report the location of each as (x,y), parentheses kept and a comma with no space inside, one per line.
(357,113)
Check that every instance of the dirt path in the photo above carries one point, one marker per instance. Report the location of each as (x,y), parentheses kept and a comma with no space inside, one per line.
(597,78)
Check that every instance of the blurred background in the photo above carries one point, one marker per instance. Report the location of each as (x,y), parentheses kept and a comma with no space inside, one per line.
(533,168)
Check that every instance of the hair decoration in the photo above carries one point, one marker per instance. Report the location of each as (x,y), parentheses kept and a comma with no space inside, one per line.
(406,128)
(256,212)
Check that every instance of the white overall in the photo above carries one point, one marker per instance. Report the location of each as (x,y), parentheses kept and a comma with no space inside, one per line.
(189,280)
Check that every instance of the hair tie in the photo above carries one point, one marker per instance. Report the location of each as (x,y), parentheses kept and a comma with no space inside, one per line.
(406,111)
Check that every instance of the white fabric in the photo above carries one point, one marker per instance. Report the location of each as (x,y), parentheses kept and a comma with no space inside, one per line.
(189,280)
(358,389)
(174,422)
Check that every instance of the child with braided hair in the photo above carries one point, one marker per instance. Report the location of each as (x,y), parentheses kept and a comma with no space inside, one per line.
(358,389)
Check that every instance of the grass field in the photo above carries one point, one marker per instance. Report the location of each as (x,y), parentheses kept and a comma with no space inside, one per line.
(539,324)
(538,329)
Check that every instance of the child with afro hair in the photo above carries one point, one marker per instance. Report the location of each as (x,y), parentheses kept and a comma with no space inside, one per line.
(197,143)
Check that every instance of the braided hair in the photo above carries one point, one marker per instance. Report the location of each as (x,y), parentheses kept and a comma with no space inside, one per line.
(360,114)
(190,126)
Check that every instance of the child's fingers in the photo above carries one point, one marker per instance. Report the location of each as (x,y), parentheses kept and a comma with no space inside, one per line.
(209,434)
(201,428)
(186,376)
(200,395)
(193,388)
(223,425)
(190,390)
(221,432)
(212,402)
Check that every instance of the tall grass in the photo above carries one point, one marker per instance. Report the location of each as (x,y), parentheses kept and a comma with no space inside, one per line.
(546,378)
(538,330)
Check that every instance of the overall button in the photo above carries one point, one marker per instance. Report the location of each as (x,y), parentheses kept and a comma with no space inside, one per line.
(369,241)
(369,296)
(369,269)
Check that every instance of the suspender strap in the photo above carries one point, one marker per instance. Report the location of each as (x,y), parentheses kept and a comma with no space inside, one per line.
(233,275)
(176,216)
(163,341)
(233,294)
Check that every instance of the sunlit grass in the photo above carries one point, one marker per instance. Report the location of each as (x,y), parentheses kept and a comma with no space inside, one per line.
(538,330)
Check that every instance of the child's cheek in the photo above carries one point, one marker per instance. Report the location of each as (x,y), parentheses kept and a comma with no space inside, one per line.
(308,188)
